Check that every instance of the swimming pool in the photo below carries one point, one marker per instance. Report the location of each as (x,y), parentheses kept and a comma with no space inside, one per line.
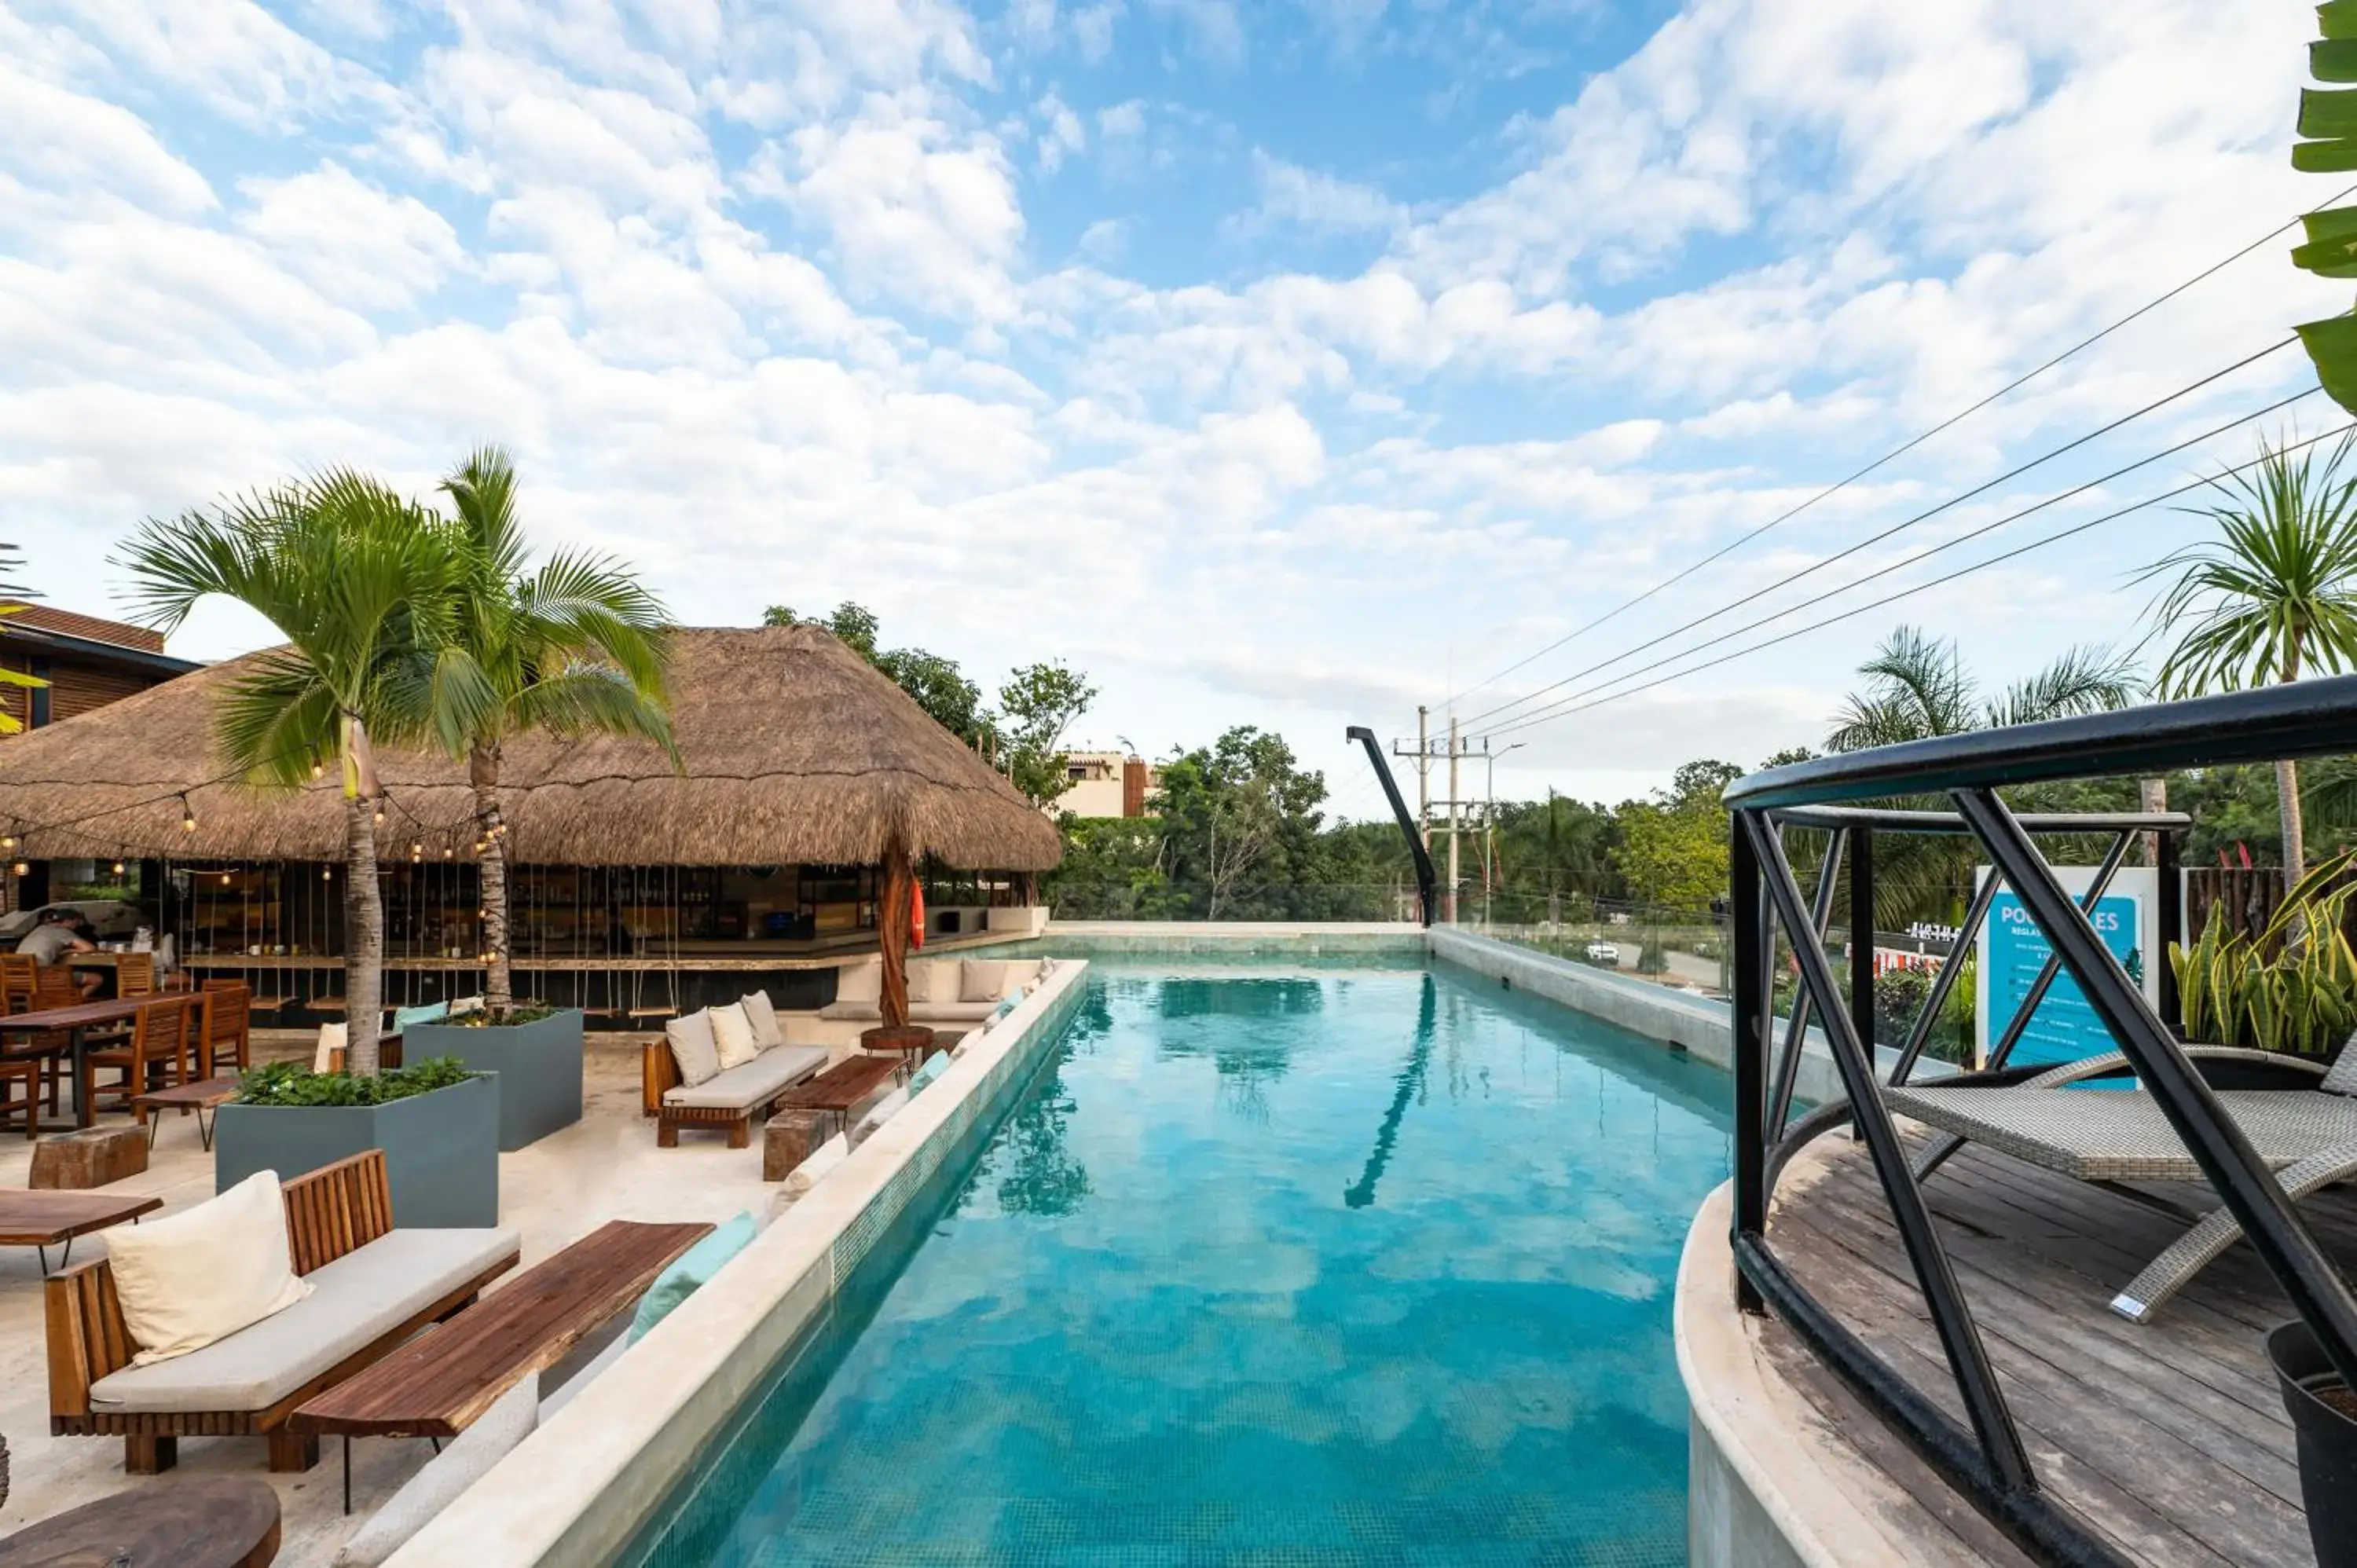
(1349,1266)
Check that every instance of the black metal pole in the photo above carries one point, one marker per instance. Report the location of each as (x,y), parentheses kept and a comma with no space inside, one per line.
(1861,937)
(1422,858)
(2274,1227)
(2170,923)
(1750,1010)
(1959,1336)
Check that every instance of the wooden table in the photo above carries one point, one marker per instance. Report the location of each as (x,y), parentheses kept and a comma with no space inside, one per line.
(219,1522)
(840,1087)
(442,1381)
(913,1042)
(41,1219)
(199,1097)
(75,1021)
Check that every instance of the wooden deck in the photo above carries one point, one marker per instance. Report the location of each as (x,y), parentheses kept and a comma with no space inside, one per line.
(2169,1439)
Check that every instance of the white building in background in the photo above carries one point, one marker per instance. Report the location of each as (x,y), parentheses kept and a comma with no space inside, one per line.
(1107,784)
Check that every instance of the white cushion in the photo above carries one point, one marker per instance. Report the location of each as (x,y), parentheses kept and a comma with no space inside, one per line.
(200,1275)
(354,1301)
(860,981)
(1021,972)
(982,979)
(732,1036)
(951,1012)
(464,1460)
(855,1012)
(741,1088)
(878,1115)
(460,1008)
(331,1039)
(933,980)
(692,1045)
(764,1016)
(816,1164)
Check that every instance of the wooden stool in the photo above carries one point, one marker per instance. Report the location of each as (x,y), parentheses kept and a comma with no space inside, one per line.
(788,1140)
(93,1157)
(219,1522)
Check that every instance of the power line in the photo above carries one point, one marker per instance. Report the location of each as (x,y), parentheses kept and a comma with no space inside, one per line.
(1996,560)
(1920,555)
(1897,452)
(1895,528)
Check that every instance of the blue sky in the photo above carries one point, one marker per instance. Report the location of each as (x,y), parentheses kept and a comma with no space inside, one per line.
(1284,363)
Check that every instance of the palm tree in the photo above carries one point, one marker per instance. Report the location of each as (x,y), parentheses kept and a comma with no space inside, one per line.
(1918,687)
(2274,596)
(361,583)
(573,646)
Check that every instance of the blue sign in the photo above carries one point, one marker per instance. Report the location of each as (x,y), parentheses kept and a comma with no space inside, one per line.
(2064,1030)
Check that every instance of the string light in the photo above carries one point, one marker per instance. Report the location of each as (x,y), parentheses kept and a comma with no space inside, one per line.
(224,878)
(21,869)
(188,816)
(118,868)
(380,816)
(326,873)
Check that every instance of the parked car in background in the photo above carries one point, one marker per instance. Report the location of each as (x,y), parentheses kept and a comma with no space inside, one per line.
(113,921)
(1602,951)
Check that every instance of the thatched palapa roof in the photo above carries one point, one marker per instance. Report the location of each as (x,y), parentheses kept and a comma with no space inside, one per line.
(798,752)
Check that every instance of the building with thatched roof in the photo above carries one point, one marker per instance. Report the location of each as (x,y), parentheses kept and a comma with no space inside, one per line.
(806,773)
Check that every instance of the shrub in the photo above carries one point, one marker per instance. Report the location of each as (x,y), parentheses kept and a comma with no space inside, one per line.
(293,1083)
(529,1013)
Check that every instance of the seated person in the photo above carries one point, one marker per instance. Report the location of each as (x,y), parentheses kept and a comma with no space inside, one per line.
(62,931)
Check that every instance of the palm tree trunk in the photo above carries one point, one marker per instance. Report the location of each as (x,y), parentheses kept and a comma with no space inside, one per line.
(483,773)
(2294,851)
(363,936)
(2152,795)
(892,935)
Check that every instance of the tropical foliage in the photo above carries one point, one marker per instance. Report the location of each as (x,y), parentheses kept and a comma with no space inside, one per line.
(294,1083)
(2271,597)
(2328,125)
(2291,988)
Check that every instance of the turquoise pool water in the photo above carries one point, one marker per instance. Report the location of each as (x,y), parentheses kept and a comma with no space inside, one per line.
(1358,1267)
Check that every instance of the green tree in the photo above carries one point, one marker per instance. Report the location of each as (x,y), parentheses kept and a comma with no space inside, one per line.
(1041,702)
(936,684)
(2274,597)
(361,583)
(575,645)
(1673,849)
(1237,815)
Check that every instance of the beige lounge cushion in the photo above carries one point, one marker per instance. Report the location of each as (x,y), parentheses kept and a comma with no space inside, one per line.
(732,1036)
(854,1012)
(354,1301)
(764,1016)
(464,1460)
(331,1039)
(982,979)
(741,1088)
(1020,971)
(199,1276)
(881,1111)
(692,1047)
(952,1012)
(933,980)
(860,981)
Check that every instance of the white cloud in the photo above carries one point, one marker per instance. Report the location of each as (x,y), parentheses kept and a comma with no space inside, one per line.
(1311,199)
(69,145)
(1060,133)
(349,239)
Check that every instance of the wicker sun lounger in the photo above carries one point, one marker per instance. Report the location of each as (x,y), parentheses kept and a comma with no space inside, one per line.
(2307,1136)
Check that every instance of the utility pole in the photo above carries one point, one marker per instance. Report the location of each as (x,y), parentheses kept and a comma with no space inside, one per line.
(1456,749)
(1423,777)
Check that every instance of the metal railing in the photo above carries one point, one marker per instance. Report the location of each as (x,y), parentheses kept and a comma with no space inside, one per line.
(1984,1458)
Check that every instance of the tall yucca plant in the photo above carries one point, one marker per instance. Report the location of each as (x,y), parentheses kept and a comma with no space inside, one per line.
(573,646)
(2291,988)
(2272,598)
(361,583)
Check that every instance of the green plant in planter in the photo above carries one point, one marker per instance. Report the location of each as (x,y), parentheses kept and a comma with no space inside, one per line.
(2293,988)
(483,1018)
(292,1083)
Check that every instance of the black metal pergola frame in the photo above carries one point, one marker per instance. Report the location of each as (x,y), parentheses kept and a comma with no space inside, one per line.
(1984,1458)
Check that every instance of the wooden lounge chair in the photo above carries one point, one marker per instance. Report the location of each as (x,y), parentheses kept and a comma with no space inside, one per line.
(2307,1134)
(732,1101)
(374,1286)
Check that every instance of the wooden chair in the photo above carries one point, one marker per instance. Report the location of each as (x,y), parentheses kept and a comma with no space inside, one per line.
(227,1029)
(54,986)
(16,972)
(158,1048)
(31,1071)
(135,974)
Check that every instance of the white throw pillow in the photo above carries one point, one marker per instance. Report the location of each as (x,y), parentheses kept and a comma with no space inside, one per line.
(933,980)
(466,1004)
(860,981)
(981,980)
(331,1039)
(816,1164)
(732,1036)
(464,1460)
(878,1115)
(693,1048)
(764,1016)
(192,1278)
(1022,972)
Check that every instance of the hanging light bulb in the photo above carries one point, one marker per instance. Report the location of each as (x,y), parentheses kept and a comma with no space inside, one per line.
(317,771)
(7,840)
(380,816)
(187,816)
(118,868)
(447,853)
(224,878)
(326,873)
(21,869)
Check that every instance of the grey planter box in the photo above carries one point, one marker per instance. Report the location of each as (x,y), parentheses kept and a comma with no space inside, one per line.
(539,1065)
(441,1149)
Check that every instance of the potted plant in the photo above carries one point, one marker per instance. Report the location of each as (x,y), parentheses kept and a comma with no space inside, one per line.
(2324,1408)
(436,1122)
(536,1053)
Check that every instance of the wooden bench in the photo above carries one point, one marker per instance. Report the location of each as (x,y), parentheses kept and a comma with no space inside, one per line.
(441,1383)
(332,1211)
(205,1094)
(658,1075)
